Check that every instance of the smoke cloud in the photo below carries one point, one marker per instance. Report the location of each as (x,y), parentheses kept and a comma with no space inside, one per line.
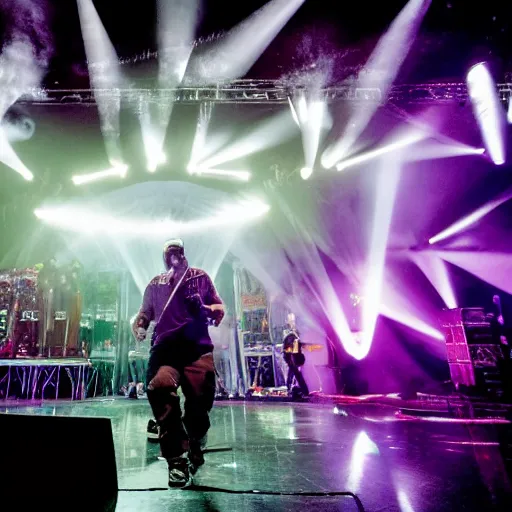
(26,49)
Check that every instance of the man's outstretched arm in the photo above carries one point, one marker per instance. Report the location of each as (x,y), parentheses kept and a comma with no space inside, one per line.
(146,313)
(214,303)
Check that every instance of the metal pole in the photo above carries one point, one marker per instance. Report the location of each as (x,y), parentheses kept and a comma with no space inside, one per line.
(239,342)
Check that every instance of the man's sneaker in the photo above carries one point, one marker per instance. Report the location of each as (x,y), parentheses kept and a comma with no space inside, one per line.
(132,392)
(196,454)
(152,430)
(178,472)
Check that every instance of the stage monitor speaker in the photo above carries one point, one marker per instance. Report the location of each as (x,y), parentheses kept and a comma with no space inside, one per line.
(55,459)
(474,354)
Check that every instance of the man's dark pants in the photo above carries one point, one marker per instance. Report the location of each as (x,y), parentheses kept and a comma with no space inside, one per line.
(169,368)
(294,371)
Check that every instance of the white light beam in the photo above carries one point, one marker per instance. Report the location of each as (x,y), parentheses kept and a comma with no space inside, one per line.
(387,185)
(177,23)
(434,269)
(376,153)
(270,133)
(309,116)
(9,157)
(471,219)
(234,55)
(105,76)
(82,179)
(91,221)
(380,71)
(488,111)
(238,175)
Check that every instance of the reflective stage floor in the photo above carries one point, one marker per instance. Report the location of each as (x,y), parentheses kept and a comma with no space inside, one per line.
(389,464)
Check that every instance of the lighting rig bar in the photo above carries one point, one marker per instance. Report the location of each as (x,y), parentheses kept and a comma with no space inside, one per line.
(259,91)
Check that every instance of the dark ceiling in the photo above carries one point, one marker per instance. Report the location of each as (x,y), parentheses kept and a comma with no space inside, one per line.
(453,35)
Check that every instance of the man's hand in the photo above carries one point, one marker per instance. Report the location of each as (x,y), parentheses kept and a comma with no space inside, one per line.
(216,313)
(140,334)
(215,307)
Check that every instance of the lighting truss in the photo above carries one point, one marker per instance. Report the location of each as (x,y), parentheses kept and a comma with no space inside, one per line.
(261,91)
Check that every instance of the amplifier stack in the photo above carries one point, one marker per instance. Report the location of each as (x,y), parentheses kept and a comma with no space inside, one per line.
(474,352)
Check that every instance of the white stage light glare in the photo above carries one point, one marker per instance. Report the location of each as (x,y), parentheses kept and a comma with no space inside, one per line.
(370,155)
(104,73)
(472,218)
(9,157)
(117,170)
(306,172)
(266,134)
(203,171)
(488,111)
(233,55)
(155,162)
(380,72)
(90,220)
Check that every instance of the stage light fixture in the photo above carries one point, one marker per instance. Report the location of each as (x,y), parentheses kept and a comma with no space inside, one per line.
(306,172)
(269,133)
(364,157)
(221,173)
(91,220)
(472,218)
(387,57)
(488,111)
(155,162)
(117,170)
(9,157)
(105,75)
(236,52)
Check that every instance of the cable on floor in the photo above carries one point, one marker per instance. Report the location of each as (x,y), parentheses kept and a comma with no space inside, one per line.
(255,492)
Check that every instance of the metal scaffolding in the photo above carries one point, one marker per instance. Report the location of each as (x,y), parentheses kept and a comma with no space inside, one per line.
(260,91)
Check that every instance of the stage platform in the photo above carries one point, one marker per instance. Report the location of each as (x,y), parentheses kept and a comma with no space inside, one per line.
(42,378)
(390,462)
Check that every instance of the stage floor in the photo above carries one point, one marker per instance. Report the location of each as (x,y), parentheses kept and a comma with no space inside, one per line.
(295,448)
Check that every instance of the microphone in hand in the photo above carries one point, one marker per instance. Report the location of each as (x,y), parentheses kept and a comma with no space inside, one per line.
(195,305)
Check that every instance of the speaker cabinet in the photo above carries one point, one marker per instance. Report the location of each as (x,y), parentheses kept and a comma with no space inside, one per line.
(473,351)
(57,460)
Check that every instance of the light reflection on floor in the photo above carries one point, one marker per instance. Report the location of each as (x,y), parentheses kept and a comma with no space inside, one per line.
(407,466)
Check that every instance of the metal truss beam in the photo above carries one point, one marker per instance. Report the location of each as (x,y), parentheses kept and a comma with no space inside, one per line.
(259,91)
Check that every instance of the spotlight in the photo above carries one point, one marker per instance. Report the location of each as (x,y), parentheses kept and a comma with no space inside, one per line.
(294,112)
(92,220)
(154,162)
(104,72)
(9,157)
(117,170)
(203,171)
(375,153)
(472,218)
(306,172)
(488,111)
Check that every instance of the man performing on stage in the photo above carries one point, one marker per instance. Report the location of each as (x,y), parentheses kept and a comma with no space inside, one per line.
(183,302)
(294,358)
